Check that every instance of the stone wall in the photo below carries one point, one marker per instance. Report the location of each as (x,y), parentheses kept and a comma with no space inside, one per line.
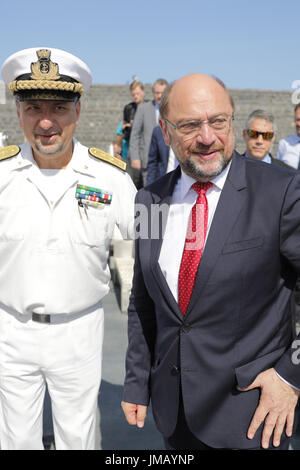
(103,104)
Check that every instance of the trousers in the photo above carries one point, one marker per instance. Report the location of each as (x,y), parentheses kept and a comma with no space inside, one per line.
(64,355)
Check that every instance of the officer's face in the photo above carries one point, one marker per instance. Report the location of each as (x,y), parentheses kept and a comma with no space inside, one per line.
(49,127)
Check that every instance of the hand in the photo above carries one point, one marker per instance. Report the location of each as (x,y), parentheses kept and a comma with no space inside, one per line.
(136,164)
(135,414)
(117,151)
(276,407)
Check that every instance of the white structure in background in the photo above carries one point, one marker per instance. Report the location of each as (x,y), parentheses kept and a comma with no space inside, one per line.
(3,139)
(2,92)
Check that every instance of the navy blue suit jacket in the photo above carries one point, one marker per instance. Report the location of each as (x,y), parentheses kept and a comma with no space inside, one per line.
(158,156)
(238,322)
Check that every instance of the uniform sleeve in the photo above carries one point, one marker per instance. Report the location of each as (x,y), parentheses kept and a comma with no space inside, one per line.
(141,337)
(125,208)
(152,159)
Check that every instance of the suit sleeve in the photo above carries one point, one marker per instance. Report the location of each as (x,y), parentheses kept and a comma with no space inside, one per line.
(152,159)
(288,367)
(141,337)
(135,136)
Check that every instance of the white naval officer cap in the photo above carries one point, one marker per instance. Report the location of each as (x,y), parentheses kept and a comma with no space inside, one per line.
(45,73)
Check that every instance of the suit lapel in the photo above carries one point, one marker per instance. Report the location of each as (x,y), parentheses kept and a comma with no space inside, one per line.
(229,206)
(162,200)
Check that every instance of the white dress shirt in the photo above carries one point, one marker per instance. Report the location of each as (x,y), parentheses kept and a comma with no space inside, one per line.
(183,199)
(288,150)
(172,161)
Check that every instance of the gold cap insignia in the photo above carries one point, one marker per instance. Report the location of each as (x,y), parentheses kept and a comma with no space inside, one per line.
(45,78)
(44,68)
(97,153)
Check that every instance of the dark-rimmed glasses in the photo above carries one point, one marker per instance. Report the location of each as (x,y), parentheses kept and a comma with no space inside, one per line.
(188,129)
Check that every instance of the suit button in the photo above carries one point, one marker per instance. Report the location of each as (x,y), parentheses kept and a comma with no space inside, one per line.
(185,328)
(174,369)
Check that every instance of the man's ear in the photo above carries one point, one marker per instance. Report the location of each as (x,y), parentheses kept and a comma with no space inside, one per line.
(163,126)
(78,109)
(245,135)
(18,106)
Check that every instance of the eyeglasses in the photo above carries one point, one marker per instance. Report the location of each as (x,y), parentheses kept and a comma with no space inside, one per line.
(188,129)
(255,134)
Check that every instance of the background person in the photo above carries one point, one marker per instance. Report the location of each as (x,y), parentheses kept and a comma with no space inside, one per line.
(121,145)
(146,118)
(288,149)
(259,136)
(161,157)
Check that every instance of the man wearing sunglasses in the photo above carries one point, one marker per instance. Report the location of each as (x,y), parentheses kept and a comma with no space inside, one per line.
(259,136)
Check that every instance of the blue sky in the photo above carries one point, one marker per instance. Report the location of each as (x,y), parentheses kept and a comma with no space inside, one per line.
(248,44)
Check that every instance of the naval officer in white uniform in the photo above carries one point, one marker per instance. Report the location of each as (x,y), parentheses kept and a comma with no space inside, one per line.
(59,204)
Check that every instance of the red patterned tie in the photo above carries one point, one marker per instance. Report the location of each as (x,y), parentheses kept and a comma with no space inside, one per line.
(193,246)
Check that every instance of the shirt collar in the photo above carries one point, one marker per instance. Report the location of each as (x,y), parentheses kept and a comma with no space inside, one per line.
(24,158)
(266,159)
(80,162)
(218,182)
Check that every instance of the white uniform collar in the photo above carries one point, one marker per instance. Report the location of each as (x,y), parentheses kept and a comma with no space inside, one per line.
(80,162)
(24,158)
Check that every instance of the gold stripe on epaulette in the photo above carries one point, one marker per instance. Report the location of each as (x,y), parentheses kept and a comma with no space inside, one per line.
(9,151)
(106,157)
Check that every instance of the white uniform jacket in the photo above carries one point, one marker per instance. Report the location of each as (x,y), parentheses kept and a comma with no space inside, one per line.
(54,253)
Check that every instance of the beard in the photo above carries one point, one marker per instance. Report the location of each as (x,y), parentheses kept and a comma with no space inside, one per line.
(49,149)
(199,172)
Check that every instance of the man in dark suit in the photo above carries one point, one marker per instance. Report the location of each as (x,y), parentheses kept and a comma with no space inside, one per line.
(259,136)
(221,367)
(145,119)
(161,158)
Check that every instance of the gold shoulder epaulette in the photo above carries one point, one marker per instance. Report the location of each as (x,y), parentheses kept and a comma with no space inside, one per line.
(106,157)
(9,151)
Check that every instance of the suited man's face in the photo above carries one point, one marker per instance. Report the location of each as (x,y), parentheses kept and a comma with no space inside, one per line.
(297,121)
(258,147)
(158,92)
(198,97)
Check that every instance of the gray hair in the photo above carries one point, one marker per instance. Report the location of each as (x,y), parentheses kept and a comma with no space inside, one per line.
(261,114)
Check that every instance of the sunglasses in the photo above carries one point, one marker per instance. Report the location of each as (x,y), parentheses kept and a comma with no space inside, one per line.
(255,134)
